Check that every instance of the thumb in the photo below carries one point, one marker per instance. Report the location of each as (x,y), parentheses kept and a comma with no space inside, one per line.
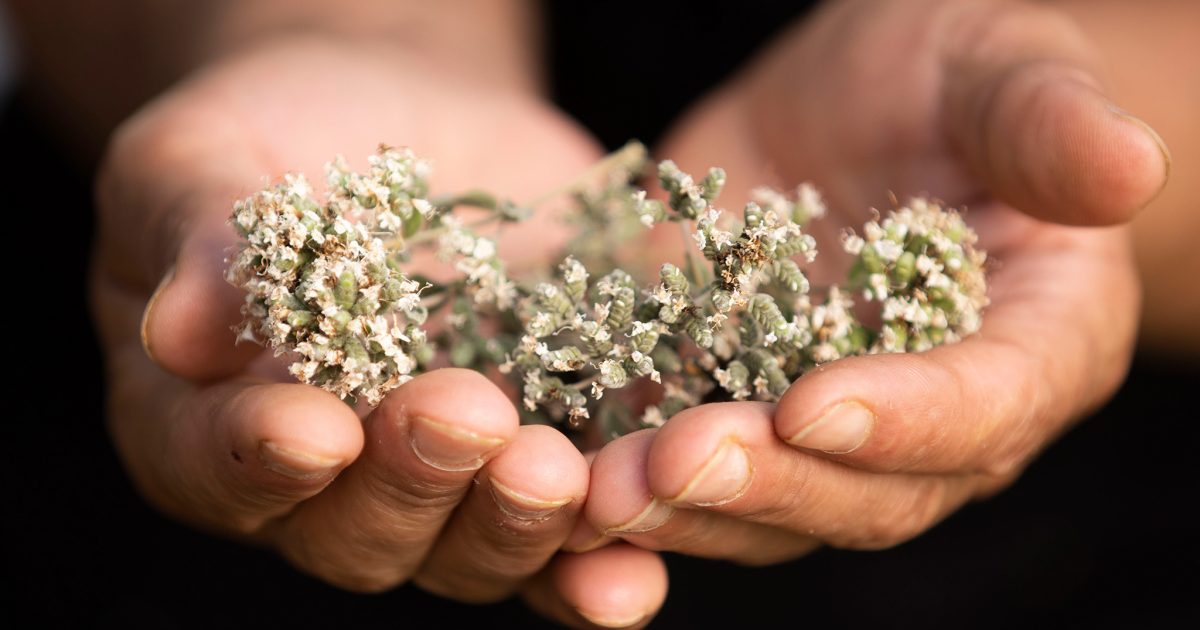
(1026,107)
(164,193)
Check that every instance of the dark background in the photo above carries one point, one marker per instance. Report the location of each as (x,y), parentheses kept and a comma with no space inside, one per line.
(1095,533)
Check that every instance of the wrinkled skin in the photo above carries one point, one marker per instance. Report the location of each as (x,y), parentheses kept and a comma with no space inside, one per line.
(990,105)
(438,485)
(997,106)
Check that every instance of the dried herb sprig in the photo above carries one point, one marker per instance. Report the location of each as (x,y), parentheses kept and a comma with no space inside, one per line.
(329,283)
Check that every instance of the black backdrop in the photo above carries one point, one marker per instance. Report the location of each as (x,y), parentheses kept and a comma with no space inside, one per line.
(1095,532)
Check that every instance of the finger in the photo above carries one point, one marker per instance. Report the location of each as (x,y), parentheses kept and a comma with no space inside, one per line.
(620,586)
(621,504)
(1047,353)
(515,518)
(725,458)
(164,194)
(583,536)
(230,457)
(373,526)
(1025,105)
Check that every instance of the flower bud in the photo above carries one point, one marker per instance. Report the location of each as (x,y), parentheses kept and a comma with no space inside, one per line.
(712,184)
(346,289)
(673,279)
(612,374)
(699,331)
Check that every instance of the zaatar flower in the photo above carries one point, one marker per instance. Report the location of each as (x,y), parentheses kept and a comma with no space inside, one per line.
(327,285)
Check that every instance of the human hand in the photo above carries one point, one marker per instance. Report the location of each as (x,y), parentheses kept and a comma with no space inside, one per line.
(997,106)
(438,485)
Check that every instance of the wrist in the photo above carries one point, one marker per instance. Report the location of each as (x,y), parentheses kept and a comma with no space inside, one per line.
(494,43)
(148,46)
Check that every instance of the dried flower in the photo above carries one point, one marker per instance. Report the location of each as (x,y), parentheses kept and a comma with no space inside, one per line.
(327,283)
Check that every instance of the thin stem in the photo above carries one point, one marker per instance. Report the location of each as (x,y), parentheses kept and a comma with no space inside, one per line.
(429,235)
(629,158)
(698,273)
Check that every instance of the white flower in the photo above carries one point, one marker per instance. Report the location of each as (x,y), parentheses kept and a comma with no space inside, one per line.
(852,243)
(653,417)
(424,207)
(809,199)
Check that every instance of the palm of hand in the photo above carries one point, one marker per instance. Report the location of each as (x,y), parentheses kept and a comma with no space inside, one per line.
(943,426)
(864,99)
(219,436)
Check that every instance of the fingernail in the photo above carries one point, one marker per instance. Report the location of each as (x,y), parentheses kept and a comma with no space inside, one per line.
(146,314)
(1162,146)
(841,430)
(293,463)
(450,448)
(652,517)
(610,622)
(723,478)
(521,506)
(584,538)
(588,544)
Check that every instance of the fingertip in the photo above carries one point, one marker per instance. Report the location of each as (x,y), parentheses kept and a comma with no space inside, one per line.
(541,465)
(833,410)
(815,387)
(1149,162)
(450,421)
(1107,165)
(310,419)
(294,430)
(456,400)
(619,586)
(702,457)
(242,454)
(1055,147)
(187,326)
(619,498)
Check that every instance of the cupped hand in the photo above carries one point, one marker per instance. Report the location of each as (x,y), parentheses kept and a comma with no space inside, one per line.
(438,485)
(998,106)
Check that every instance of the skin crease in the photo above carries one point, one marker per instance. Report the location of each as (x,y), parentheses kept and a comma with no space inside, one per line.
(990,105)
(285,466)
(438,485)
(173,167)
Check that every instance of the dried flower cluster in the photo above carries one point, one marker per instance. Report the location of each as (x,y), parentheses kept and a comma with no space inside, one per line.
(328,283)
(321,282)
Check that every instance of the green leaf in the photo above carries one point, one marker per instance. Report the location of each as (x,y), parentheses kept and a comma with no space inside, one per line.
(463,353)
(412,224)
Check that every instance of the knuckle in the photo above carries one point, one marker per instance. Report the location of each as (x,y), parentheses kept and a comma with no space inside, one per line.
(339,568)
(396,487)
(991,31)
(904,520)
(790,505)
